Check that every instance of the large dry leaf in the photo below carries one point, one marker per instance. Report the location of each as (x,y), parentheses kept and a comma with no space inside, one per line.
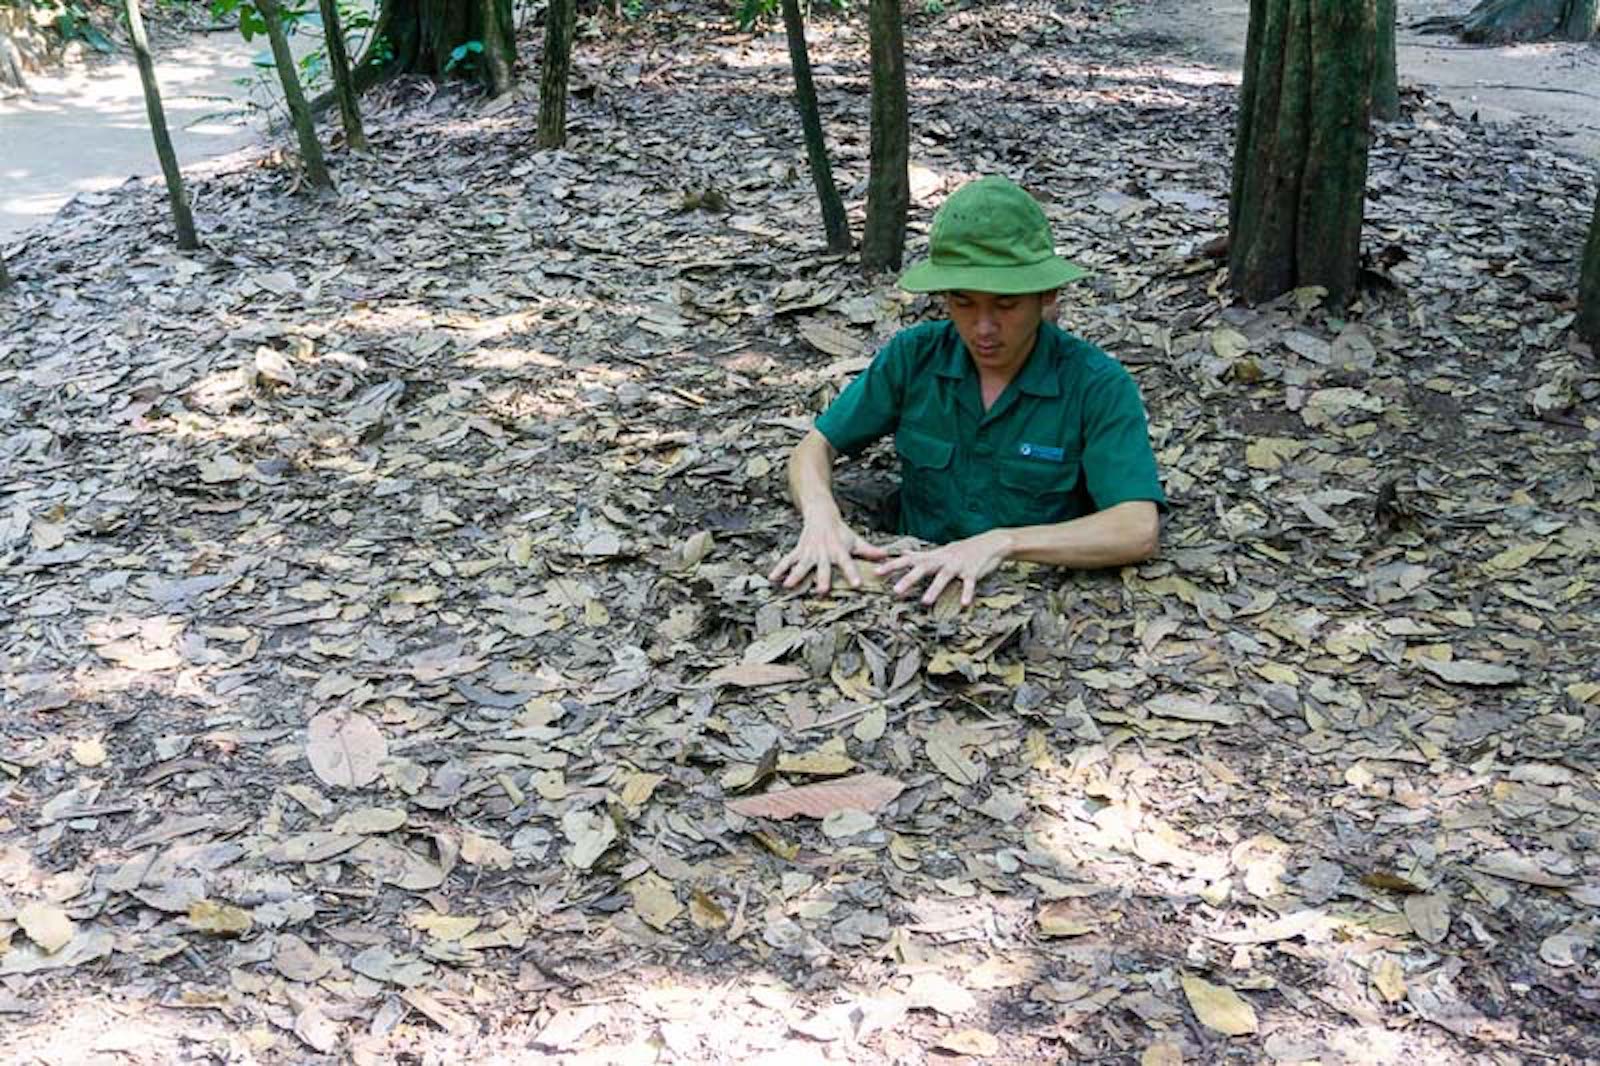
(46,925)
(1429,916)
(862,792)
(219,919)
(1219,1008)
(345,749)
(392,864)
(756,675)
(1458,672)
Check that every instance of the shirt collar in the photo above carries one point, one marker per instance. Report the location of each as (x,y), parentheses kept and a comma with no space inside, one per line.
(1038,376)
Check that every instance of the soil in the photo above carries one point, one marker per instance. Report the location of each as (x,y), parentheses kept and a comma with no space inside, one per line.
(81,128)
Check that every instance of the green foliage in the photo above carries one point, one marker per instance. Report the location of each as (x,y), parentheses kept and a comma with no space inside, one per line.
(466,56)
(72,22)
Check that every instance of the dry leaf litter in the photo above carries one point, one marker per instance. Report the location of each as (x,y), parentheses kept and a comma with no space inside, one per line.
(389,668)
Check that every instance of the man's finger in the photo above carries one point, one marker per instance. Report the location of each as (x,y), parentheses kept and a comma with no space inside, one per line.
(909,582)
(899,562)
(940,580)
(969,586)
(870,551)
(824,577)
(852,573)
(783,564)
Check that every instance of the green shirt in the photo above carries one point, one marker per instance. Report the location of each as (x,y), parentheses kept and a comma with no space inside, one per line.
(1066,438)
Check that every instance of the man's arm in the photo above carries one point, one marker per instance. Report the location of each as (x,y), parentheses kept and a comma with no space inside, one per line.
(1126,533)
(826,540)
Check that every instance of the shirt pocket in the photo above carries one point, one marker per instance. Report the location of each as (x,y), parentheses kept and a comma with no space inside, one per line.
(1037,492)
(926,469)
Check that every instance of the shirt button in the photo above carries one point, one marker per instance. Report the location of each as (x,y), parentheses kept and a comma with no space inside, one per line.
(1026,449)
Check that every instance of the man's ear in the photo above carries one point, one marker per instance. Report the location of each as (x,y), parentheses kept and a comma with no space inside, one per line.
(1047,304)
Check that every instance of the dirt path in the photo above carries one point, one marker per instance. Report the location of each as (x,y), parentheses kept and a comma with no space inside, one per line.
(1553,88)
(84,130)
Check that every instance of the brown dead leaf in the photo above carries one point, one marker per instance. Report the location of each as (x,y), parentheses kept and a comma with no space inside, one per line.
(756,675)
(1219,1008)
(345,749)
(863,792)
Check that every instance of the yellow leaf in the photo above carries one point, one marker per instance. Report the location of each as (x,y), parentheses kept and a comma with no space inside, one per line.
(872,725)
(1270,453)
(46,925)
(1584,691)
(1061,919)
(827,760)
(1229,343)
(1516,557)
(1162,1054)
(1220,1009)
(705,912)
(1279,673)
(654,900)
(1389,979)
(444,927)
(477,850)
(89,752)
(974,1042)
(219,919)
(639,787)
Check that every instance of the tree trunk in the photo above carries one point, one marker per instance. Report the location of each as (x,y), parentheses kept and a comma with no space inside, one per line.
(182,220)
(1589,285)
(560,26)
(498,53)
(305,129)
(883,237)
(1386,81)
(834,223)
(343,86)
(1300,156)
(5,275)
(1582,21)
(19,46)
(423,34)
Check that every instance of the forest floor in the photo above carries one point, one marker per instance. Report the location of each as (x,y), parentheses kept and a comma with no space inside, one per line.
(389,672)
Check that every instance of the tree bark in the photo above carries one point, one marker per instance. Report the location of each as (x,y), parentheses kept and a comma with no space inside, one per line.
(834,223)
(561,24)
(422,34)
(1589,285)
(1300,155)
(1386,81)
(343,86)
(498,55)
(299,114)
(18,46)
(1582,20)
(182,220)
(5,275)
(883,236)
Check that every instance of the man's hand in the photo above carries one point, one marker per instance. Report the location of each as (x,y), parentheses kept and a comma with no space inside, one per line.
(971,560)
(824,544)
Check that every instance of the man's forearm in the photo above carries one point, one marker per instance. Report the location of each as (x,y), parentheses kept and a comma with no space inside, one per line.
(811,478)
(1127,533)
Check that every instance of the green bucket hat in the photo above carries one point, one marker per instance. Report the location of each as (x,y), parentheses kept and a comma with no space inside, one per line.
(990,236)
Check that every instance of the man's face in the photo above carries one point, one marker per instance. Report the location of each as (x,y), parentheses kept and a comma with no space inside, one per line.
(998,330)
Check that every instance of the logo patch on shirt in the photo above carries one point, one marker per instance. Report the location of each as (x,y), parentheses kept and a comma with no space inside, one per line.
(1041,451)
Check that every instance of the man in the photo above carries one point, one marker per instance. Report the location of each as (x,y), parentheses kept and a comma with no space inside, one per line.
(1016,439)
